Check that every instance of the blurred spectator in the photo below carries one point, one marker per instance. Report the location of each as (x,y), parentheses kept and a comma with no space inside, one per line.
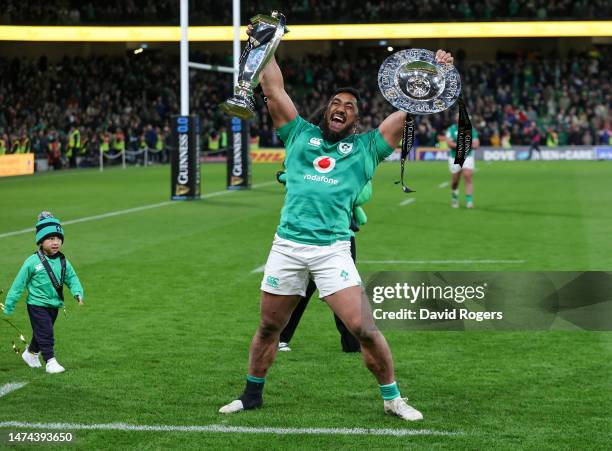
(4,143)
(552,137)
(506,143)
(605,134)
(532,132)
(54,151)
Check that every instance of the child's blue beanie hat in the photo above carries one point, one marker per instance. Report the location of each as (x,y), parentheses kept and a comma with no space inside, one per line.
(47,227)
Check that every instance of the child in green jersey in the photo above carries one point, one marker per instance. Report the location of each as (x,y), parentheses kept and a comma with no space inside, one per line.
(44,274)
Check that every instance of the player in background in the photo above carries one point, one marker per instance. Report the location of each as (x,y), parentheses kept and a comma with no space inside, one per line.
(467,170)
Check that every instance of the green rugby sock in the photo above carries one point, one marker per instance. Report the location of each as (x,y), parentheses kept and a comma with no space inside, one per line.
(257,380)
(455,194)
(469,198)
(389,391)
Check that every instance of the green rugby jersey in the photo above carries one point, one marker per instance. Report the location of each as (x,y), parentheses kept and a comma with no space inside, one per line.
(41,291)
(452,132)
(324,180)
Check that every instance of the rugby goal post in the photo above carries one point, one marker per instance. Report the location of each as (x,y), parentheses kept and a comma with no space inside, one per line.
(238,156)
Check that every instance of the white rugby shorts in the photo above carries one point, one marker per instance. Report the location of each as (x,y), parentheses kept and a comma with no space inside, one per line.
(290,266)
(467,164)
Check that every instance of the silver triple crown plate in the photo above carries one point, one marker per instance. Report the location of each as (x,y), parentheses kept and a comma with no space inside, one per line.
(412,81)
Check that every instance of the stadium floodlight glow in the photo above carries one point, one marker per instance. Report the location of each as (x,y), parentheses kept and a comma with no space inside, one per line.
(138,50)
(389,49)
(314,32)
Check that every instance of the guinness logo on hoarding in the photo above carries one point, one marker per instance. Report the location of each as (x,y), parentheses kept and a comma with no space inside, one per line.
(235,181)
(181,190)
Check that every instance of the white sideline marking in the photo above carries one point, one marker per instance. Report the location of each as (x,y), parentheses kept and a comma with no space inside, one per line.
(127,211)
(225,429)
(407,201)
(453,262)
(443,185)
(10,387)
(259,269)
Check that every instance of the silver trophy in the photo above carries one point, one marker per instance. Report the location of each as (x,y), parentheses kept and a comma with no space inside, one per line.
(266,35)
(412,81)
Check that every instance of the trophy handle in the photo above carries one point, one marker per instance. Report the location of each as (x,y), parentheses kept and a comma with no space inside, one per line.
(262,43)
(261,46)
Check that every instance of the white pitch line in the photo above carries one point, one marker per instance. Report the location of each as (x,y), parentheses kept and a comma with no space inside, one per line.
(127,211)
(225,429)
(450,262)
(259,269)
(443,185)
(11,387)
(407,201)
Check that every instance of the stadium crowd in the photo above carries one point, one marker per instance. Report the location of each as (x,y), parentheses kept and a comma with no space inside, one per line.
(118,103)
(512,101)
(209,12)
(111,103)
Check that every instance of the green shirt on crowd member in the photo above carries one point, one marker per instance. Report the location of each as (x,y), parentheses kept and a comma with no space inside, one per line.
(41,291)
(452,133)
(324,180)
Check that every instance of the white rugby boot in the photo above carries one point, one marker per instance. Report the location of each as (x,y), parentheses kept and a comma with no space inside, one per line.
(283,347)
(233,407)
(53,367)
(31,359)
(399,408)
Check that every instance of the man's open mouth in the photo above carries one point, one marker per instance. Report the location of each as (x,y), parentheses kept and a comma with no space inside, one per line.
(338,119)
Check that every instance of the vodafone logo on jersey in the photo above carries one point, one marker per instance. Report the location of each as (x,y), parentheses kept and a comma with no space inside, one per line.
(324,164)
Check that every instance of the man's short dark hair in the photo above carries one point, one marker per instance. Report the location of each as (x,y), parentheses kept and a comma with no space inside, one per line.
(349,90)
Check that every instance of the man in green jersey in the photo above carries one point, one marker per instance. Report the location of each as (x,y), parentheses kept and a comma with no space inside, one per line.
(467,170)
(327,167)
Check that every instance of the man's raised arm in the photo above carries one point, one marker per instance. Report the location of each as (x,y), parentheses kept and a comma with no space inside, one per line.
(392,128)
(279,103)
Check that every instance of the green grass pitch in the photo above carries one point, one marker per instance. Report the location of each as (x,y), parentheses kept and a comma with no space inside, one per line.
(172,303)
